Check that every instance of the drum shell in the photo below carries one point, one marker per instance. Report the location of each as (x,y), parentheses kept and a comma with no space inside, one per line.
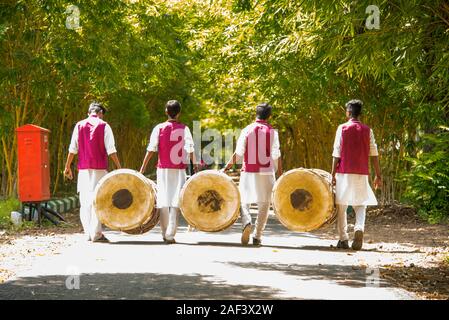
(141,215)
(198,185)
(316,185)
(147,226)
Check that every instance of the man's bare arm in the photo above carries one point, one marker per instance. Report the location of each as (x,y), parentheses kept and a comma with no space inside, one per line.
(114,158)
(378,179)
(193,159)
(335,163)
(147,159)
(280,169)
(234,159)
(68,166)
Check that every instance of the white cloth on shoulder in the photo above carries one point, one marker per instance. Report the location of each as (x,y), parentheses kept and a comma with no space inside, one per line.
(337,143)
(154,139)
(109,140)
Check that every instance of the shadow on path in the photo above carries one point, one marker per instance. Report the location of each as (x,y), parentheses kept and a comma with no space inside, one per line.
(131,286)
(342,275)
(277,247)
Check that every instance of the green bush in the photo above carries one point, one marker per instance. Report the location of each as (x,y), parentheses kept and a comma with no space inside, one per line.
(6,207)
(428,180)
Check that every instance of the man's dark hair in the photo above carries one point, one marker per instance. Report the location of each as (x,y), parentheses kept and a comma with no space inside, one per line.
(173,108)
(263,111)
(354,107)
(97,108)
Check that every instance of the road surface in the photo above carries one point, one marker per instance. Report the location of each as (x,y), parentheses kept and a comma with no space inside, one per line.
(201,266)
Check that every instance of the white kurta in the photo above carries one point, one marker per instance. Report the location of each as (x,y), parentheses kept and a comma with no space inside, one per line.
(88,178)
(256,187)
(170,181)
(87,181)
(353,189)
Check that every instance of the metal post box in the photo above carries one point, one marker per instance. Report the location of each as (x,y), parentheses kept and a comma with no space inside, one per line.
(33,163)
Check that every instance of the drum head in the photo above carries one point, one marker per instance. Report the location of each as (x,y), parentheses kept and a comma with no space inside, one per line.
(303,199)
(210,201)
(125,200)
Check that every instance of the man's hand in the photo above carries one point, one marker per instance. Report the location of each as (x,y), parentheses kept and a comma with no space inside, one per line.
(335,163)
(378,179)
(68,173)
(279,167)
(378,182)
(280,173)
(234,159)
(68,166)
(196,168)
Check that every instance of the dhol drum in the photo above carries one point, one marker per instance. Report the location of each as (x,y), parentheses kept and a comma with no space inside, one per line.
(125,200)
(303,199)
(210,201)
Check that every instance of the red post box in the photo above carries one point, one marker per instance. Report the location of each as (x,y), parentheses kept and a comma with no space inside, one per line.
(34,163)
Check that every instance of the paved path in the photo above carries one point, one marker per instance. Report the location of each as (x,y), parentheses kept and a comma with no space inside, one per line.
(205,266)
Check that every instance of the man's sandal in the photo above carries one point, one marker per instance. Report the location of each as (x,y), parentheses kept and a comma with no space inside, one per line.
(102,239)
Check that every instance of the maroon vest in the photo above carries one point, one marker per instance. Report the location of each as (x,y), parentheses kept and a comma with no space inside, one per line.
(355,148)
(259,141)
(172,154)
(92,152)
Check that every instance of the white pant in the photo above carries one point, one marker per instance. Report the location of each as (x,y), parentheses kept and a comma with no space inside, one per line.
(89,220)
(87,180)
(262,217)
(169,217)
(342,221)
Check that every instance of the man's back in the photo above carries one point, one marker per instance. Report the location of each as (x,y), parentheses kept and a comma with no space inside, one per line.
(92,152)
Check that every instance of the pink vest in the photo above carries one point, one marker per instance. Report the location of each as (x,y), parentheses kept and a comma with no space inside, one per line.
(259,141)
(92,152)
(355,148)
(171,146)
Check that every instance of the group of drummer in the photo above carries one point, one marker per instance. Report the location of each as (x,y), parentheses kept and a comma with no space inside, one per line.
(258,149)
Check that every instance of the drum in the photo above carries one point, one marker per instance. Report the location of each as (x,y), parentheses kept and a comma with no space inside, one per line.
(125,200)
(303,199)
(210,201)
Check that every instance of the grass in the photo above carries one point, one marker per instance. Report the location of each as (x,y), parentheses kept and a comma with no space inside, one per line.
(6,207)
(13,204)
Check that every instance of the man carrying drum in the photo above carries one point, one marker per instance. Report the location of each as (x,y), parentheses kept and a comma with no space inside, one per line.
(173,142)
(354,145)
(94,142)
(258,146)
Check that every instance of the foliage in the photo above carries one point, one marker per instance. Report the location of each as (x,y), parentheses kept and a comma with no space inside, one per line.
(308,58)
(131,55)
(428,180)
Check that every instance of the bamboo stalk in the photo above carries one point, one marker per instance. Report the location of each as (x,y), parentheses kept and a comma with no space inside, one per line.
(8,167)
(60,151)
